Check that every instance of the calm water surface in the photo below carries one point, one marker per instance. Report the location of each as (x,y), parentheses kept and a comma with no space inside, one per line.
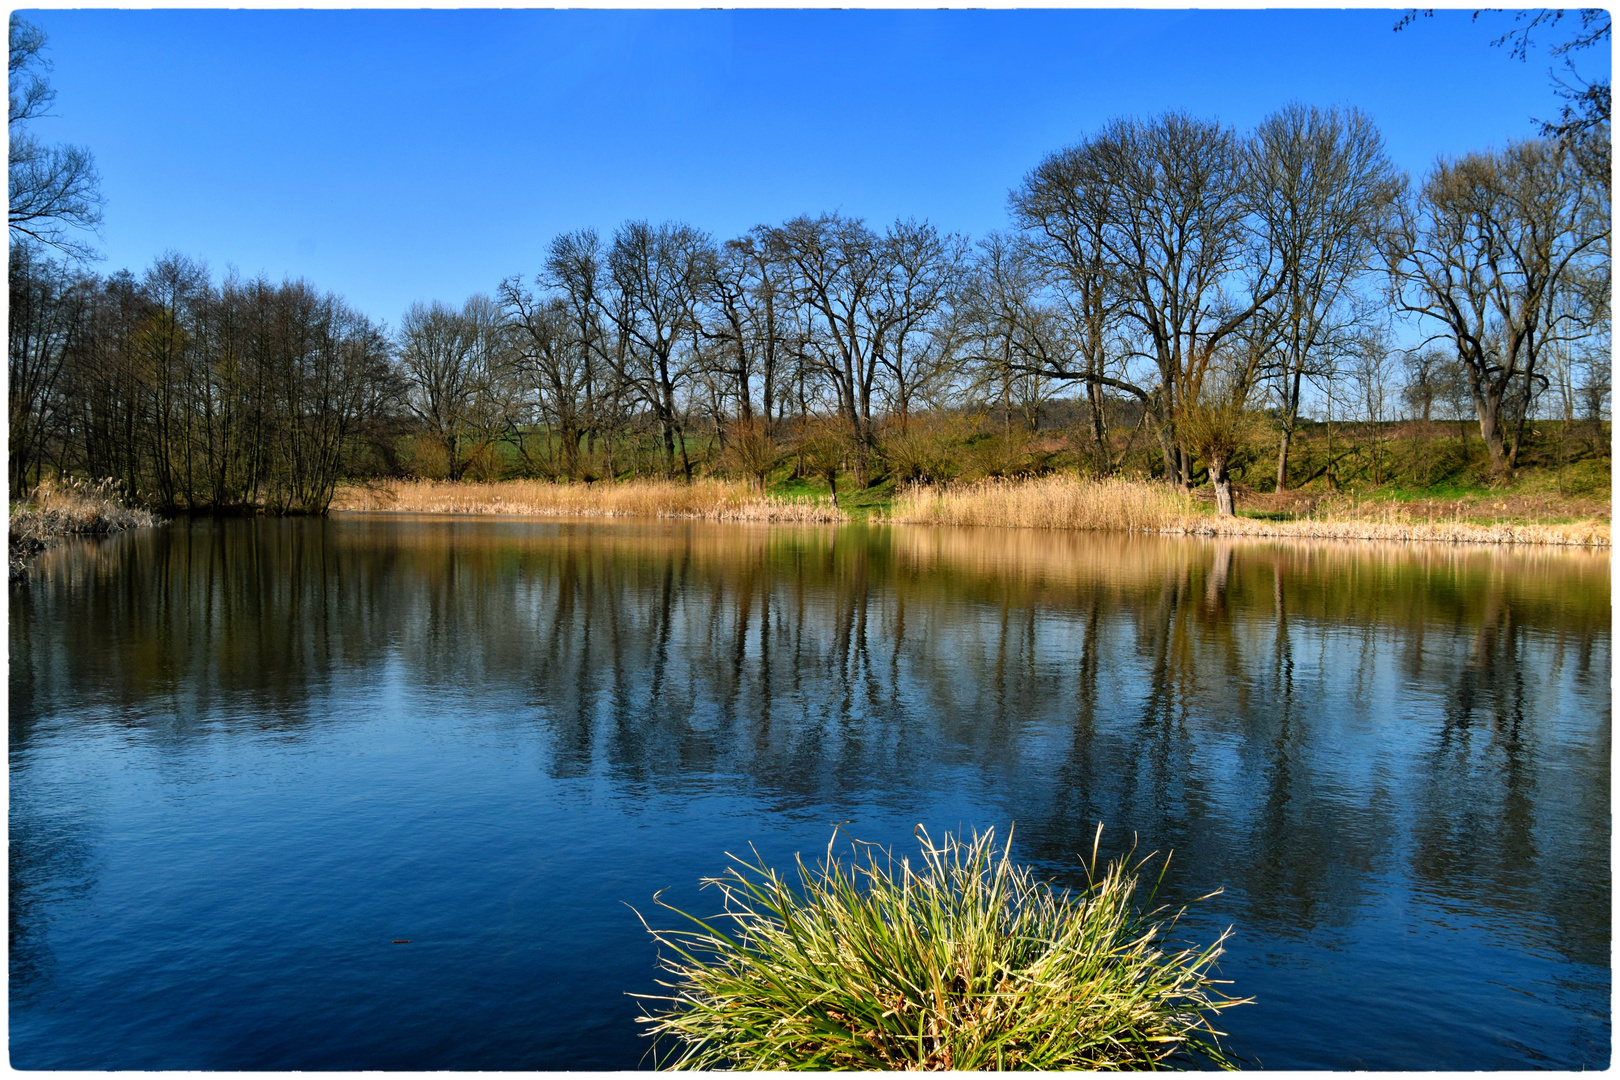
(246,757)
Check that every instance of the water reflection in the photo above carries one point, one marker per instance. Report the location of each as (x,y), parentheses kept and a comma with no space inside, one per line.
(1326,730)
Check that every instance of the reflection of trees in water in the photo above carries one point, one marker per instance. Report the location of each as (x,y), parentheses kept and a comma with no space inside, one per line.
(50,864)
(1288,718)
(1514,792)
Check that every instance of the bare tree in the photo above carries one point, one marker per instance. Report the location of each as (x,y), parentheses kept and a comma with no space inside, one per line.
(444,354)
(1183,242)
(921,275)
(1322,186)
(55,192)
(105,391)
(657,277)
(574,271)
(333,371)
(1065,207)
(869,305)
(205,398)
(1372,373)
(745,301)
(1014,341)
(1423,387)
(1216,425)
(1478,249)
(554,365)
(47,320)
(836,269)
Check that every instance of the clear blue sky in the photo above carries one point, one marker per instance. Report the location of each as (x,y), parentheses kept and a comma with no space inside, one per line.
(393,156)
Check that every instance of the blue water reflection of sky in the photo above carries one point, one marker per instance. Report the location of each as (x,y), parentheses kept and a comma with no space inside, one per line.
(489,738)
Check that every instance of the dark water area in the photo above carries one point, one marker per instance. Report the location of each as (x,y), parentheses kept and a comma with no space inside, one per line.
(246,757)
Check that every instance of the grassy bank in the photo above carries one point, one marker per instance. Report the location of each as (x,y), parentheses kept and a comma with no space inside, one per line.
(957,960)
(706,498)
(1062,502)
(55,510)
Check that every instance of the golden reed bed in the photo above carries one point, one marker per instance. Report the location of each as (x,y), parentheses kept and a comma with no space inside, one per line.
(713,500)
(1053,502)
(1060,502)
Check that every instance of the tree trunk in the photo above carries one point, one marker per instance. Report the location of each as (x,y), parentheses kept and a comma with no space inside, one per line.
(1099,431)
(686,462)
(1491,431)
(1290,421)
(1223,487)
(1167,448)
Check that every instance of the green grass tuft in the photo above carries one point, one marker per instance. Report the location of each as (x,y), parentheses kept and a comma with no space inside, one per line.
(958,960)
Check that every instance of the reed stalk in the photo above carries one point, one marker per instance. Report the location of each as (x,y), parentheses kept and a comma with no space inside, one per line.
(959,960)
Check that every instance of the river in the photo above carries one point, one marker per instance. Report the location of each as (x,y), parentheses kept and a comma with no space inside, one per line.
(382,792)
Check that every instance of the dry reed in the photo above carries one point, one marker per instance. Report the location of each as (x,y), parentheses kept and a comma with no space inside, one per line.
(1576,534)
(1050,502)
(1058,502)
(58,508)
(706,498)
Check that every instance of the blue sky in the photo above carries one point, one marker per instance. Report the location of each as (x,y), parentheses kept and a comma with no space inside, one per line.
(394,156)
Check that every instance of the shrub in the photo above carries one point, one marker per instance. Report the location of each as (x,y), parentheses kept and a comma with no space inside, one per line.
(427,459)
(920,454)
(751,452)
(825,450)
(960,961)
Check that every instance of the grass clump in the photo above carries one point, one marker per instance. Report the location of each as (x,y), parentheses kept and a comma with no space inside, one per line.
(960,960)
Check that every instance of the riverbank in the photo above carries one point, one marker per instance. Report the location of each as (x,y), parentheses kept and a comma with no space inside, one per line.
(1050,502)
(1062,502)
(705,498)
(55,510)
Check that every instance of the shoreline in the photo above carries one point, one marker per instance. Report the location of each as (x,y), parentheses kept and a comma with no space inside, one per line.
(1238,529)
(1151,511)
(1584,535)
(1059,505)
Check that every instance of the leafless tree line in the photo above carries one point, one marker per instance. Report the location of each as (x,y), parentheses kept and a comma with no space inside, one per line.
(1202,276)
(196,396)
(661,329)
(1206,273)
